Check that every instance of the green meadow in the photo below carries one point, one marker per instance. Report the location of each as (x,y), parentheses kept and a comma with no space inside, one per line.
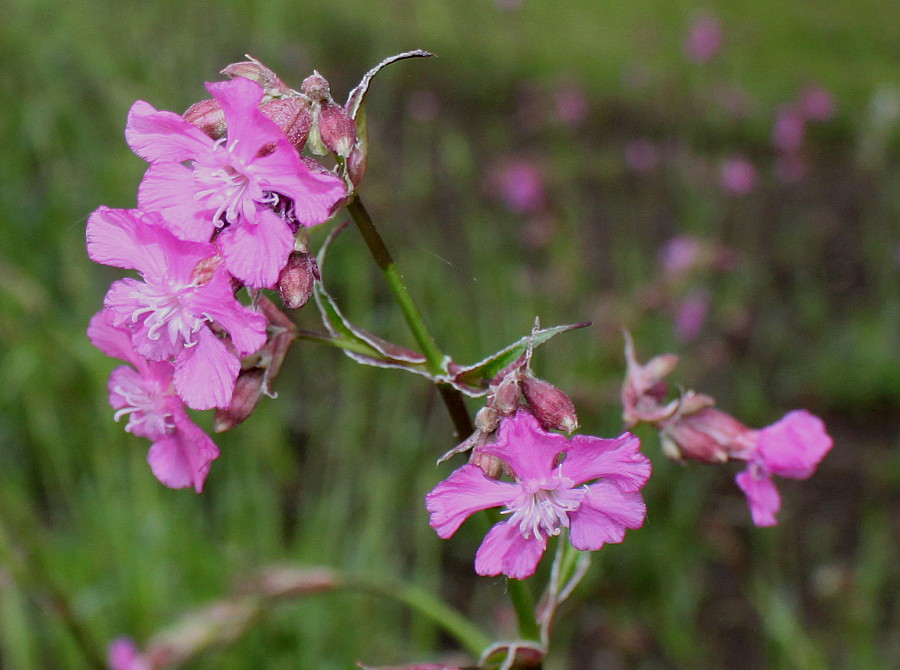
(795,304)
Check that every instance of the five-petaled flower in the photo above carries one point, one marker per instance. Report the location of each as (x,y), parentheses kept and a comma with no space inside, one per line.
(586,484)
(181,453)
(171,313)
(249,189)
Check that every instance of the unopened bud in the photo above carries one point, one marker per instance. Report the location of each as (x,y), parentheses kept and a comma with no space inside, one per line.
(205,269)
(256,71)
(316,87)
(356,163)
(550,406)
(487,419)
(293,116)
(505,399)
(208,116)
(337,129)
(708,435)
(248,389)
(295,283)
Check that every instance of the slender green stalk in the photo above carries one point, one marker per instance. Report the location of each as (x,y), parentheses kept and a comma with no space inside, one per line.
(523,603)
(427,604)
(435,359)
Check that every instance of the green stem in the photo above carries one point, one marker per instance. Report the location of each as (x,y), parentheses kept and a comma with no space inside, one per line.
(427,604)
(523,603)
(435,360)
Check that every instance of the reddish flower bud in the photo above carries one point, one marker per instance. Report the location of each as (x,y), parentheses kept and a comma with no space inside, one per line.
(256,71)
(205,269)
(551,407)
(316,87)
(337,129)
(295,283)
(208,116)
(708,435)
(293,116)
(505,398)
(248,389)
(356,163)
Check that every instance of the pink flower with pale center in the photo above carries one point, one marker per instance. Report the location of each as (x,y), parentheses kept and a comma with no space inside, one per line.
(587,484)
(792,447)
(181,453)
(249,189)
(171,312)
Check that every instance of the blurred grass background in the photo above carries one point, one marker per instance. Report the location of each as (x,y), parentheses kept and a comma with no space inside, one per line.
(625,141)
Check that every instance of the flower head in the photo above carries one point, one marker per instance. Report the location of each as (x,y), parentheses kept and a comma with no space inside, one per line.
(181,453)
(587,484)
(252,185)
(170,314)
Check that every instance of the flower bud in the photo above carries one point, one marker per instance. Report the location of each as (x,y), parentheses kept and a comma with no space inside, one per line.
(707,435)
(248,389)
(208,116)
(293,116)
(316,87)
(295,283)
(256,71)
(551,407)
(505,399)
(337,129)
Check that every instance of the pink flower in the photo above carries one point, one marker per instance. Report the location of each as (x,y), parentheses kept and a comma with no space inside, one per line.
(550,491)
(791,447)
(816,103)
(737,175)
(704,39)
(520,186)
(252,184)
(181,453)
(123,655)
(171,312)
(789,128)
(690,314)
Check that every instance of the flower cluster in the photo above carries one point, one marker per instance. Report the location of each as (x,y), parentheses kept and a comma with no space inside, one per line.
(218,209)
(692,428)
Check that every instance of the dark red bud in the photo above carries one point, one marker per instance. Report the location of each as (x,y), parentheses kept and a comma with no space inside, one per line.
(316,87)
(295,283)
(505,399)
(208,116)
(248,389)
(292,115)
(550,406)
(337,129)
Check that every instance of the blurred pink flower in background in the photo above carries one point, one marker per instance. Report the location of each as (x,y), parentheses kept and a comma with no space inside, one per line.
(123,655)
(571,105)
(737,175)
(690,314)
(789,128)
(641,155)
(519,184)
(816,103)
(704,39)
(681,254)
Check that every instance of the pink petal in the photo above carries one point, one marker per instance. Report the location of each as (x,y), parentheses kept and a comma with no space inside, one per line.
(528,450)
(205,373)
(794,445)
(246,327)
(604,515)
(169,189)
(314,192)
(183,459)
(762,496)
(466,491)
(256,253)
(111,340)
(505,550)
(248,128)
(617,460)
(163,136)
